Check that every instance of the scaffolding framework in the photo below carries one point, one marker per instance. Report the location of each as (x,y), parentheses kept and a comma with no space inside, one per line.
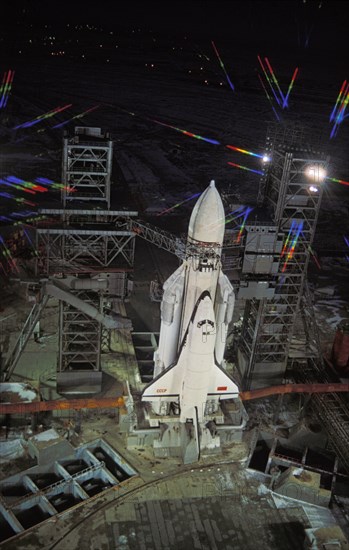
(86,167)
(90,245)
(80,336)
(293,199)
(85,241)
(92,248)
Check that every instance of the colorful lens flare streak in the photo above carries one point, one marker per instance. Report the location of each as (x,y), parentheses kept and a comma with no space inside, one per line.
(268,80)
(340,118)
(26,184)
(274,79)
(23,214)
(245,168)
(244,151)
(186,133)
(222,66)
(246,214)
(30,242)
(293,225)
(285,103)
(19,187)
(7,254)
(334,110)
(343,106)
(337,114)
(291,250)
(235,214)
(179,204)
(6,86)
(47,115)
(9,196)
(76,116)
(46,181)
(33,188)
(284,99)
(342,182)
(196,136)
(313,255)
(269,98)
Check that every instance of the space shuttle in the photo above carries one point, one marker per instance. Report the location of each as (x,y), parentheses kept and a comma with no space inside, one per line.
(197,306)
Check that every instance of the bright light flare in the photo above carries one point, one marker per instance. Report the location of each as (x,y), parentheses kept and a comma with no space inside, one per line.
(313,189)
(315,173)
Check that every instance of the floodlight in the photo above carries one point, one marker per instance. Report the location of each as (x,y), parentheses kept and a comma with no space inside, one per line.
(315,172)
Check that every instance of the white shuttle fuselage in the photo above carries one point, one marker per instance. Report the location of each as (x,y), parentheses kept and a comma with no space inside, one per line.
(196,309)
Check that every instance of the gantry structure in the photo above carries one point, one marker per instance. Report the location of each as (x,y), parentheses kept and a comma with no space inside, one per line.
(291,191)
(87,253)
(279,339)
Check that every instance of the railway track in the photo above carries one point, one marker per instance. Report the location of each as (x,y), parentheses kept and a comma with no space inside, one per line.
(119,499)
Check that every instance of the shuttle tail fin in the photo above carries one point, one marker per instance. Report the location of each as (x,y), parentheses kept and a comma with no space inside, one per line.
(190,438)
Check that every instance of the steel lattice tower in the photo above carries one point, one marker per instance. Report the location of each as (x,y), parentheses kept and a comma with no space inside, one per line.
(291,190)
(90,249)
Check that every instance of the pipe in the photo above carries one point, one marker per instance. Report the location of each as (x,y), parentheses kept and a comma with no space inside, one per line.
(111,402)
(294,388)
(61,405)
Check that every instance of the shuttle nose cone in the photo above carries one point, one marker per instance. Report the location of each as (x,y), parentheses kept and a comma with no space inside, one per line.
(207,218)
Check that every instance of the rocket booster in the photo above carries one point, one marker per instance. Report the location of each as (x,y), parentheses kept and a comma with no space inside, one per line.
(196,309)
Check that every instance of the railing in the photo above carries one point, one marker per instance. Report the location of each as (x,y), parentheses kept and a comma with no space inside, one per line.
(43,492)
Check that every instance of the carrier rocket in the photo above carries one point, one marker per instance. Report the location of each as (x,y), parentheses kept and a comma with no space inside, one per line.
(196,309)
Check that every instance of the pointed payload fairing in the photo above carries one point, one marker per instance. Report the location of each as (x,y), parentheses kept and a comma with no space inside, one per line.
(196,309)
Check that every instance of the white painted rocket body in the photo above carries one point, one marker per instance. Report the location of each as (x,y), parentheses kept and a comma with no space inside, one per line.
(196,309)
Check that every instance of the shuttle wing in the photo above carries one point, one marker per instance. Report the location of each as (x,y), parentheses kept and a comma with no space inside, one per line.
(167,384)
(221,384)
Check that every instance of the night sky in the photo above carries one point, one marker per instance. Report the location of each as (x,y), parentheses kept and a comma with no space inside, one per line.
(301,28)
(288,23)
(126,38)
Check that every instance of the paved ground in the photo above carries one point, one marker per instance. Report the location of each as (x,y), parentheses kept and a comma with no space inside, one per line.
(208,508)
(208,524)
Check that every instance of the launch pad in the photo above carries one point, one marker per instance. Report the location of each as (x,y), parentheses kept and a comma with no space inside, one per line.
(175,439)
(192,413)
